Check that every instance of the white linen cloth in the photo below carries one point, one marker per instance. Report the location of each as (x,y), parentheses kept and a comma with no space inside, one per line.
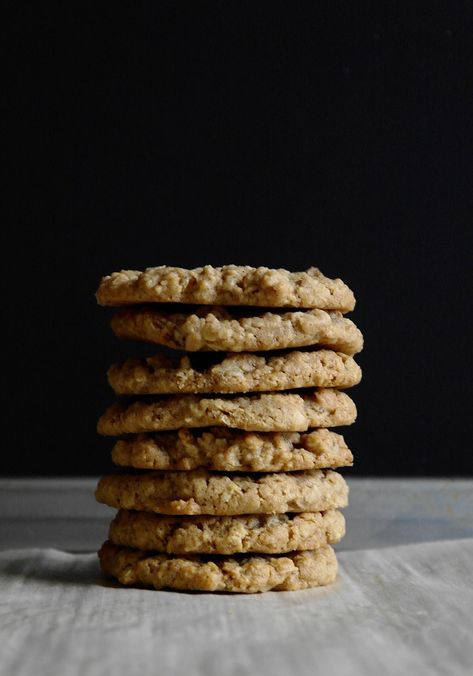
(399,610)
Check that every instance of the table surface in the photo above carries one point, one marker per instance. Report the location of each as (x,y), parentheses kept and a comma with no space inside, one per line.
(403,601)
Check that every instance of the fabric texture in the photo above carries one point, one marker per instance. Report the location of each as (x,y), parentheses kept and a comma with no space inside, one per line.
(405,609)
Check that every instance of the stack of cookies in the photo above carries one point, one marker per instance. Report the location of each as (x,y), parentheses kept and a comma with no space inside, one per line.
(230,483)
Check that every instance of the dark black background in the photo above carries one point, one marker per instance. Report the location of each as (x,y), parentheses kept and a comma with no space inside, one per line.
(280,134)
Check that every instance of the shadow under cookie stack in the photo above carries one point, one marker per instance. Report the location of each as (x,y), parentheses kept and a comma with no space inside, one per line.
(231,485)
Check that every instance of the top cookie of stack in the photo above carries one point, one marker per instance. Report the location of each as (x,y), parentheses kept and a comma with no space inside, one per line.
(226,285)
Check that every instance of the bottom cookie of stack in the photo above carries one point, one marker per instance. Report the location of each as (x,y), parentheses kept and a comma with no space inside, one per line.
(239,573)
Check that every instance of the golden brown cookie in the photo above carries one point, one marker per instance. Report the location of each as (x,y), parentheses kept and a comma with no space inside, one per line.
(260,533)
(257,413)
(236,372)
(227,329)
(245,574)
(222,449)
(202,492)
(226,285)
